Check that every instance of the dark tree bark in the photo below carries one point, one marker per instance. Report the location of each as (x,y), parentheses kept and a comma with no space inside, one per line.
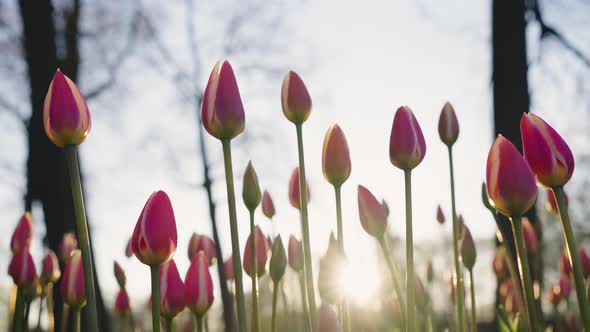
(47,177)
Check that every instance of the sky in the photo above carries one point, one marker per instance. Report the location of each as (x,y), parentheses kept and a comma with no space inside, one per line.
(362,60)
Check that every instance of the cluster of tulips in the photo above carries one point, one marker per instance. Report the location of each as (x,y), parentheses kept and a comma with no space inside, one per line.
(510,190)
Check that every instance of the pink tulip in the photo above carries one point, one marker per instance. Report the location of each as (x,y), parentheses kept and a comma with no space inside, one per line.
(294,190)
(530,235)
(510,183)
(406,144)
(119,274)
(228,268)
(199,286)
(327,320)
(372,214)
(261,253)
(565,266)
(440,217)
(448,126)
(128,249)
(172,291)
(203,243)
(336,156)
(67,244)
(565,286)
(295,98)
(72,281)
(548,154)
(295,254)
(65,113)
(222,112)
(22,269)
(50,269)
(154,237)
(22,235)
(499,267)
(122,306)
(467,247)
(268,207)
(585,262)
(553,295)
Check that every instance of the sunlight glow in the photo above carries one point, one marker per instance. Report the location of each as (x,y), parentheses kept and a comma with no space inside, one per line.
(360,283)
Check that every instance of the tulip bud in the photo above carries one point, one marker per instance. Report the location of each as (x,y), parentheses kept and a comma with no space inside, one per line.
(565,286)
(198,286)
(440,217)
(551,204)
(72,281)
(22,235)
(154,237)
(65,113)
(202,243)
(509,180)
(295,98)
(268,207)
(406,144)
(68,244)
(22,269)
(327,320)
(172,298)
(251,189)
(122,306)
(468,252)
(371,213)
(336,157)
(546,152)
(228,268)
(294,190)
(511,303)
(119,274)
(429,272)
(553,295)
(499,267)
(222,112)
(530,235)
(261,253)
(565,265)
(128,249)
(585,263)
(506,287)
(295,254)
(485,199)
(50,269)
(278,260)
(448,126)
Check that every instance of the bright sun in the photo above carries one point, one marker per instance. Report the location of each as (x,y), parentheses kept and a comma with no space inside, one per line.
(360,282)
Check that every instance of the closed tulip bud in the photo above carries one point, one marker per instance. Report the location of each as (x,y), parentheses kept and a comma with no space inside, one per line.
(565,266)
(327,320)
(222,112)
(295,254)
(251,190)
(67,245)
(122,306)
(22,235)
(199,286)
(548,154)
(268,207)
(468,251)
(22,269)
(585,262)
(202,243)
(484,197)
(261,253)
(506,287)
(172,291)
(65,113)
(278,260)
(565,286)
(530,235)
(50,269)
(372,214)
(499,267)
(429,272)
(336,157)
(510,182)
(551,204)
(154,237)
(119,275)
(448,126)
(406,144)
(228,268)
(294,189)
(553,295)
(72,281)
(295,98)
(440,217)
(128,249)
(511,303)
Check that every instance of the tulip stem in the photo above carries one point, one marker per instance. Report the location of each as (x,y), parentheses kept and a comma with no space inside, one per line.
(307,266)
(343,303)
(275,292)
(254,275)
(41,298)
(27,313)
(525,275)
(304,308)
(233,224)
(572,249)
(65,313)
(199,323)
(410,298)
(168,324)
(458,275)
(155,269)
(77,319)
(473,306)
(83,235)
(394,275)
(17,320)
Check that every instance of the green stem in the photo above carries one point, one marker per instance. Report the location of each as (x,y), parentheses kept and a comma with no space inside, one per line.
(525,275)
(235,241)
(410,291)
(254,275)
(40,313)
(168,324)
(199,323)
(83,235)
(50,318)
(275,293)
(572,249)
(304,308)
(27,313)
(64,318)
(17,320)
(155,297)
(131,321)
(307,266)
(459,299)
(394,275)
(77,319)
(473,305)
(344,302)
